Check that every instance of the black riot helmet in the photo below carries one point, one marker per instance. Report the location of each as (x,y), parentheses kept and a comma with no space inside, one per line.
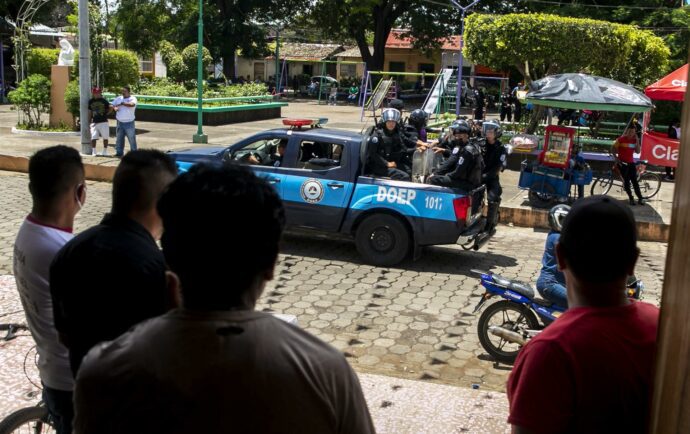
(397,104)
(418,118)
(494,126)
(460,127)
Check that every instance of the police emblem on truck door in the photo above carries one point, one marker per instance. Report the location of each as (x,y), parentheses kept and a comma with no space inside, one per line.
(312,191)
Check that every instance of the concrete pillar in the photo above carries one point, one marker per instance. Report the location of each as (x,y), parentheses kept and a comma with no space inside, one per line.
(59,78)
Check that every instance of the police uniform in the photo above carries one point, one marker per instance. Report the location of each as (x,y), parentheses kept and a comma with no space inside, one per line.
(462,170)
(495,160)
(384,147)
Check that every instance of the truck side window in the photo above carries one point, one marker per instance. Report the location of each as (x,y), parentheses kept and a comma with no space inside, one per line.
(257,153)
(314,155)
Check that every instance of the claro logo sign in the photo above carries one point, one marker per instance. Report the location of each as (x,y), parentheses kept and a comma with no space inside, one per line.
(679,83)
(662,152)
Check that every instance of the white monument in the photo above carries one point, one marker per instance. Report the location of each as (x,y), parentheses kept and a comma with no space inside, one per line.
(66,57)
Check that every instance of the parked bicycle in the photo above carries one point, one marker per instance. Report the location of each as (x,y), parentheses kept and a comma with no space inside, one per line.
(649,182)
(30,420)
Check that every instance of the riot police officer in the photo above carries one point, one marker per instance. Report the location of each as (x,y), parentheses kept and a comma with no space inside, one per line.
(495,160)
(416,126)
(386,148)
(463,169)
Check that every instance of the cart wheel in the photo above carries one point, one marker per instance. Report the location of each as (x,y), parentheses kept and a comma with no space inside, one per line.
(541,194)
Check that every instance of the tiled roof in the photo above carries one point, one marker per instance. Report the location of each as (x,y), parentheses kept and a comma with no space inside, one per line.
(396,40)
(353,52)
(298,50)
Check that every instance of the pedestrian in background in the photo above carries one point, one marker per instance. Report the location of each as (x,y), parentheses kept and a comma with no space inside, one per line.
(125,106)
(673,133)
(58,191)
(99,108)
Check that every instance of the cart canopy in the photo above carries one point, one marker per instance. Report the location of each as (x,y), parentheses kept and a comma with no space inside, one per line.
(670,88)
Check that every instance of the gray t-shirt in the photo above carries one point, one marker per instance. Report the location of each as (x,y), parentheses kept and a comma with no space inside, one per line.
(217,372)
(34,249)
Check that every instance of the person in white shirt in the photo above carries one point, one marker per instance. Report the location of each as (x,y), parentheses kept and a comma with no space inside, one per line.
(58,190)
(124,106)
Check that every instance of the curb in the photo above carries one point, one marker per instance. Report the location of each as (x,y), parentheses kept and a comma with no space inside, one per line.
(524,217)
(45,133)
(93,172)
(538,218)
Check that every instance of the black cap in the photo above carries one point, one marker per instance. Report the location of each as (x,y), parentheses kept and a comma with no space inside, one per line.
(599,239)
(396,104)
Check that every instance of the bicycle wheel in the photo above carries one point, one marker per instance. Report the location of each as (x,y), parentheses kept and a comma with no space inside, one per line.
(650,183)
(30,420)
(601,185)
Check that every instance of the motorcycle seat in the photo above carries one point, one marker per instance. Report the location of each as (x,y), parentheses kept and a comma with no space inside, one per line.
(542,302)
(522,288)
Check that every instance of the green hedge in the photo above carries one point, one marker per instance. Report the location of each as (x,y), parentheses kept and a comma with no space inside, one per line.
(121,66)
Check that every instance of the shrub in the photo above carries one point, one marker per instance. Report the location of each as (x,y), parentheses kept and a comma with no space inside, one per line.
(121,68)
(72,98)
(39,60)
(182,66)
(32,97)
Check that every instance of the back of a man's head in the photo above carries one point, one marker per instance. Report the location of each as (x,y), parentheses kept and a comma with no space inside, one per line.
(599,240)
(54,172)
(222,228)
(140,179)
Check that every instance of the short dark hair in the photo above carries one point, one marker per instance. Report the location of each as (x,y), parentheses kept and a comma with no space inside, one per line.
(127,87)
(222,228)
(54,171)
(599,239)
(140,180)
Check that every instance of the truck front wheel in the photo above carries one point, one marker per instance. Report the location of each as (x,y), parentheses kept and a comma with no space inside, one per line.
(382,240)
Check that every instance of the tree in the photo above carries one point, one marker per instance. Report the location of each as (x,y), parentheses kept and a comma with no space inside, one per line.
(358,19)
(182,66)
(229,25)
(539,45)
(32,97)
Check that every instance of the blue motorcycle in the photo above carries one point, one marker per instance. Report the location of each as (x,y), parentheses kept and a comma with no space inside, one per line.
(507,325)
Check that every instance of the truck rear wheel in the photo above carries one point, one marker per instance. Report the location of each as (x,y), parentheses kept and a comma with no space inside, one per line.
(382,240)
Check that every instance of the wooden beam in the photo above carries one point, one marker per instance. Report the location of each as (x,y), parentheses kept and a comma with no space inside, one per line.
(671,405)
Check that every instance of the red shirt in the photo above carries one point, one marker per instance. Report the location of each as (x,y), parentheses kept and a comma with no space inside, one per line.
(626,148)
(591,371)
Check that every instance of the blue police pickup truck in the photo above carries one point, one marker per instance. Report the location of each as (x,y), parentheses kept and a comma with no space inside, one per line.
(320,175)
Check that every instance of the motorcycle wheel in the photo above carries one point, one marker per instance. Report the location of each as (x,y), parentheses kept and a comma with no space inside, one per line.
(511,316)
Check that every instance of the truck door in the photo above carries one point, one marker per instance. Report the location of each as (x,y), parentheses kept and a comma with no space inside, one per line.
(261,154)
(318,184)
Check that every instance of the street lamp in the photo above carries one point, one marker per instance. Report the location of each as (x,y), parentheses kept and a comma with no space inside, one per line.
(462,9)
(200,137)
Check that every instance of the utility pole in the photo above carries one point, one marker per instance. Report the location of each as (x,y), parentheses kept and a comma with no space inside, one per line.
(200,137)
(462,9)
(277,62)
(84,76)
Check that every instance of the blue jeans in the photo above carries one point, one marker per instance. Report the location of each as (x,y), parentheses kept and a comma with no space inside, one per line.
(60,408)
(125,129)
(555,293)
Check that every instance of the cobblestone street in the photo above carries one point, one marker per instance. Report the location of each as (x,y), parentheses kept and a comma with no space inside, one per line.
(413,321)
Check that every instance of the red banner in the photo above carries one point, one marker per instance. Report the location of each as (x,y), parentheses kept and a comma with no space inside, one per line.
(659,149)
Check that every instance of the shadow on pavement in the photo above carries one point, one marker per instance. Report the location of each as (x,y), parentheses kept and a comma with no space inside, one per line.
(436,259)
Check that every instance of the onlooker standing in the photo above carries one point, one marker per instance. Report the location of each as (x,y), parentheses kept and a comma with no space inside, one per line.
(215,364)
(623,150)
(124,106)
(592,370)
(58,191)
(673,133)
(92,306)
(99,108)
